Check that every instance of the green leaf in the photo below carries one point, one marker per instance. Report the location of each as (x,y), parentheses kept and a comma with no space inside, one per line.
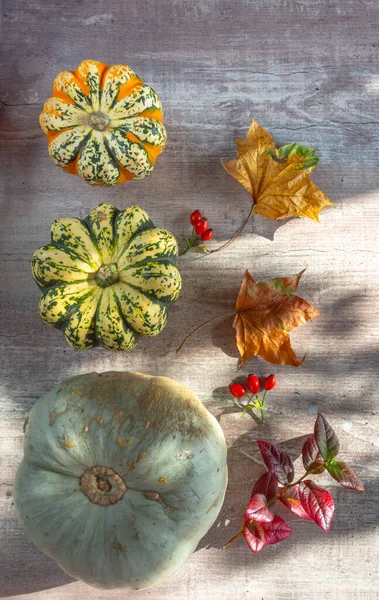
(200,248)
(326,439)
(307,155)
(342,473)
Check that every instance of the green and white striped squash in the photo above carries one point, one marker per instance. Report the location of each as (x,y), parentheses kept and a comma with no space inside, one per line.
(107,279)
(122,475)
(103,123)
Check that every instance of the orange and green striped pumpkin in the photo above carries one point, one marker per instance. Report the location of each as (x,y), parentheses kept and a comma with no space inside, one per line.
(103,123)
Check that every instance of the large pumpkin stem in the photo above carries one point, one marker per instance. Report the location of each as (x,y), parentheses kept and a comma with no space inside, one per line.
(102,485)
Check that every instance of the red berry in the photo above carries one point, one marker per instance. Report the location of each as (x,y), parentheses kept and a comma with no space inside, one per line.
(195,217)
(253,384)
(207,235)
(201,226)
(269,383)
(237,390)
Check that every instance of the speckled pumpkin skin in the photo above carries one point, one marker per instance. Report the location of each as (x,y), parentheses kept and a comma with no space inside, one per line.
(167,448)
(107,279)
(103,123)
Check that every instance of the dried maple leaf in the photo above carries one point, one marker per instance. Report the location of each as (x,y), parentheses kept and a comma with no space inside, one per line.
(277,178)
(266,313)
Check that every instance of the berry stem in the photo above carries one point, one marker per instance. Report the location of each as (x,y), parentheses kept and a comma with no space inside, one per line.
(189,242)
(262,407)
(236,235)
(202,325)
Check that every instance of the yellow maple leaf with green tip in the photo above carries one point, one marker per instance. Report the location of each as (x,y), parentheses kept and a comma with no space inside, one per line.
(277,178)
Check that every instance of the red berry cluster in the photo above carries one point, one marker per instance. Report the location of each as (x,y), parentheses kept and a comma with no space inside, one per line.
(200,225)
(253,384)
(200,231)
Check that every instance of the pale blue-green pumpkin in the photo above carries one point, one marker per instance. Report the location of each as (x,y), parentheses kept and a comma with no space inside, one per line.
(122,475)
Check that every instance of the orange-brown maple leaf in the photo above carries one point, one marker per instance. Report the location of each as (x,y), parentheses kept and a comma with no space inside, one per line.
(277,178)
(266,313)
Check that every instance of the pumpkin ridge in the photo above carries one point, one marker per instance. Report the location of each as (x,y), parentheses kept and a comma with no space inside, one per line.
(152,113)
(53,134)
(71,253)
(126,324)
(61,322)
(120,337)
(149,295)
(140,311)
(144,227)
(94,160)
(68,79)
(169,237)
(77,306)
(167,277)
(137,167)
(72,331)
(38,269)
(81,250)
(125,175)
(103,234)
(127,88)
(75,153)
(151,150)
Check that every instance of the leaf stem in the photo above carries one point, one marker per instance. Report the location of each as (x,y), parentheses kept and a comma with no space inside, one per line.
(237,234)
(202,325)
(290,485)
(233,538)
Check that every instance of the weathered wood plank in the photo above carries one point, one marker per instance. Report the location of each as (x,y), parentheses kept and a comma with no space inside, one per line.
(307,70)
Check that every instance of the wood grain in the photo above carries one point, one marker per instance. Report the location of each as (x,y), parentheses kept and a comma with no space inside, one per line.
(308,71)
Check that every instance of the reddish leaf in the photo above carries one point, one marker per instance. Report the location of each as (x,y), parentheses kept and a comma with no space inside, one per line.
(326,438)
(276,531)
(318,503)
(342,473)
(254,535)
(257,509)
(266,313)
(277,461)
(267,484)
(312,459)
(291,499)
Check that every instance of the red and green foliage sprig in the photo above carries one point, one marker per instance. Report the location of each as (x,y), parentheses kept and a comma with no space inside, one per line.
(200,233)
(238,390)
(302,497)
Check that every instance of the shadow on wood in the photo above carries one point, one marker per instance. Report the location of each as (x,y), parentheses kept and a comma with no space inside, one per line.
(28,570)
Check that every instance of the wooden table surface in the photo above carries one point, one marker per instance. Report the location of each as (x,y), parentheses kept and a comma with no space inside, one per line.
(308,71)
